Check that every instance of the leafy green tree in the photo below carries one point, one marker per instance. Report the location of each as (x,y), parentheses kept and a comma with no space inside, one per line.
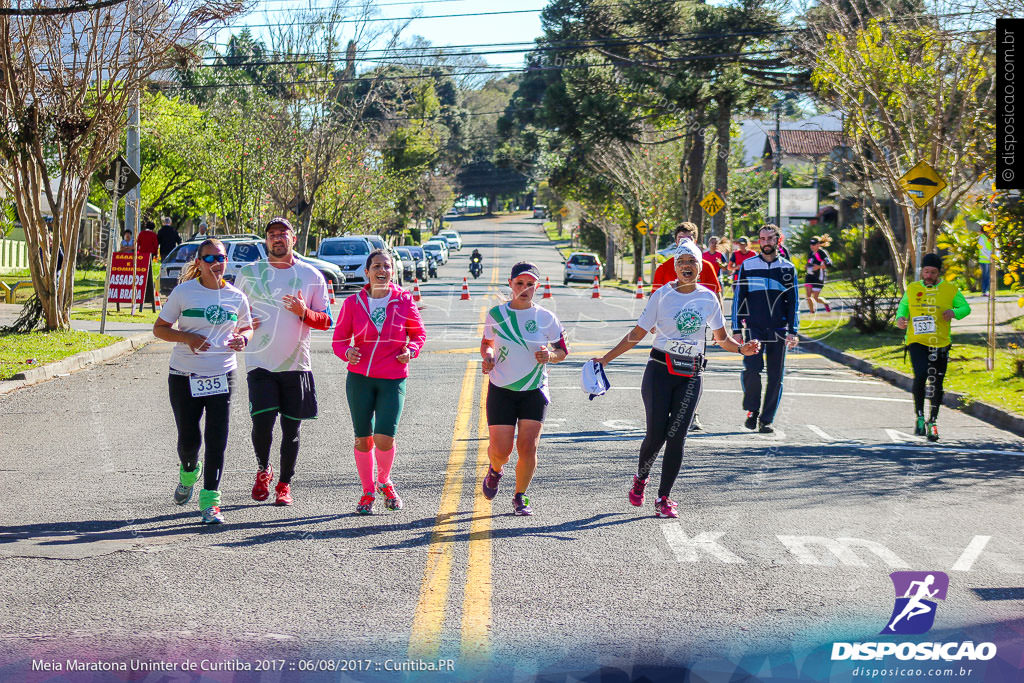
(911,88)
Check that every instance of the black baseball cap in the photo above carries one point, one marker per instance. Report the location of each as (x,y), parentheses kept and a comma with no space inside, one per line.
(524,268)
(279,221)
(815,240)
(741,240)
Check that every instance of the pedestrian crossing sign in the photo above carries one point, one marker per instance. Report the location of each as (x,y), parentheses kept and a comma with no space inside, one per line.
(712,203)
(922,183)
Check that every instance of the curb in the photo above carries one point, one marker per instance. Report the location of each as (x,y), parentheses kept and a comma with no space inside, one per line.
(76,362)
(985,412)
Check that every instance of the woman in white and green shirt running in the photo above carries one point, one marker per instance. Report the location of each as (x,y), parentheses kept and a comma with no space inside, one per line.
(515,354)
(213,324)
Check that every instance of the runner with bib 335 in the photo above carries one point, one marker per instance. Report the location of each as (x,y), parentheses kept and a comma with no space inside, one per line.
(925,312)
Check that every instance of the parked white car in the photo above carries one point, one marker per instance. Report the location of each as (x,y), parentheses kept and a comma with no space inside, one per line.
(453,237)
(442,243)
(581,266)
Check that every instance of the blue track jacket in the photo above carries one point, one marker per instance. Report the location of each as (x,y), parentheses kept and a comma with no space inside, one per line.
(766,299)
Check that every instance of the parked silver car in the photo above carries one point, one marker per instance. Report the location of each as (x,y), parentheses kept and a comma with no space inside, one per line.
(349,254)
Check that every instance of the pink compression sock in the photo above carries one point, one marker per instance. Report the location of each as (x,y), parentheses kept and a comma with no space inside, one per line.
(384,461)
(364,463)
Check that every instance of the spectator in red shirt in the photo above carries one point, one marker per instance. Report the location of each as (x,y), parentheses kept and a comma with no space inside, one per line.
(148,242)
(738,257)
(666,272)
(713,256)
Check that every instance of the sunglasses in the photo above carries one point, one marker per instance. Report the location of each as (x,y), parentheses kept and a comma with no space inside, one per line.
(210,258)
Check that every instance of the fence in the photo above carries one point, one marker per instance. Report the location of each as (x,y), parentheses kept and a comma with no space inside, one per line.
(13,256)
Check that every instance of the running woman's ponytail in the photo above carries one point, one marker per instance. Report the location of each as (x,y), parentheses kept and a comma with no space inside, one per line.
(192,271)
(825,240)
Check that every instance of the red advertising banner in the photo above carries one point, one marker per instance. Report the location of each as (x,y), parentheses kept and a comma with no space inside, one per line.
(121,278)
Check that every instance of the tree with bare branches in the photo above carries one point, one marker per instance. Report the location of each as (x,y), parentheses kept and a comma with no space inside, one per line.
(67,80)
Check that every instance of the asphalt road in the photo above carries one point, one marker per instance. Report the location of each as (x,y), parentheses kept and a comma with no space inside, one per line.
(784,543)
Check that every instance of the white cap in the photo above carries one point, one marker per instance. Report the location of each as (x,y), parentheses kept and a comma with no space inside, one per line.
(593,380)
(688,247)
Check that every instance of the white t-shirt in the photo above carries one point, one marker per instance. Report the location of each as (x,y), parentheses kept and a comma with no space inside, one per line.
(378,310)
(212,313)
(282,341)
(682,318)
(518,335)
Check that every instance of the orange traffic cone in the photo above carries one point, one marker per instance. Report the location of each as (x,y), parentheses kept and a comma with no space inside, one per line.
(415,289)
(330,288)
(596,294)
(640,288)
(465,290)
(156,298)
(547,288)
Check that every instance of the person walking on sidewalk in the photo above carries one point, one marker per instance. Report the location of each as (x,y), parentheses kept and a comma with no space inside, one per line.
(925,312)
(214,324)
(986,249)
(678,315)
(516,354)
(378,333)
(765,307)
(289,299)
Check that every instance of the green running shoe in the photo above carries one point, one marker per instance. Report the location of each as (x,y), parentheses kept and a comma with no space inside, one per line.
(186,484)
(920,429)
(932,429)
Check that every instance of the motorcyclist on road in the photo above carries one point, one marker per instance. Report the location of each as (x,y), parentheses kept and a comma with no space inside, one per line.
(476,263)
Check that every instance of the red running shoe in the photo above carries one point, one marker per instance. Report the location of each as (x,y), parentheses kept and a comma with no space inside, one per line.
(283,493)
(261,489)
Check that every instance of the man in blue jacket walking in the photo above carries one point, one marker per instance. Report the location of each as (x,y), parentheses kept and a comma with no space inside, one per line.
(765,307)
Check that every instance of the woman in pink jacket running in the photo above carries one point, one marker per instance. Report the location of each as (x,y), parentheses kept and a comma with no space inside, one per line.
(378,332)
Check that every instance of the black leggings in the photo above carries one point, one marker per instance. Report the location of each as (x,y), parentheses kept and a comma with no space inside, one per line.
(929,363)
(188,411)
(669,402)
(263,437)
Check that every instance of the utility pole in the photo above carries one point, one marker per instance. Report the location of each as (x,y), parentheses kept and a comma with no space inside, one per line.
(134,157)
(111,241)
(778,165)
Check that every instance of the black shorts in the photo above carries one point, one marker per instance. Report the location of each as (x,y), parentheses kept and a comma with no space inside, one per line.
(507,407)
(290,393)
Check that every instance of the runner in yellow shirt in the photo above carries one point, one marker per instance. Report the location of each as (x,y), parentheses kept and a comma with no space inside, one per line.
(925,312)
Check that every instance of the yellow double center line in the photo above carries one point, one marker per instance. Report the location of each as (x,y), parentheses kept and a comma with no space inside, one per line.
(428,620)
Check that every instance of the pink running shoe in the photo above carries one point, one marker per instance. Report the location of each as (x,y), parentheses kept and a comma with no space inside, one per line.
(636,492)
(663,507)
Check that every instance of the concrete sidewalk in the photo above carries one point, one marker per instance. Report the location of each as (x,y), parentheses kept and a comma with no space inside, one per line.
(132,337)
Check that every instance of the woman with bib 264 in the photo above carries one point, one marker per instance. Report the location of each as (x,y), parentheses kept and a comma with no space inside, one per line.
(678,314)
(516,356)
(213,324)
(378,332)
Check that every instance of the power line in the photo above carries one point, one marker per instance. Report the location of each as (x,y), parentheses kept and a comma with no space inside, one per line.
(482,71)
(376,19)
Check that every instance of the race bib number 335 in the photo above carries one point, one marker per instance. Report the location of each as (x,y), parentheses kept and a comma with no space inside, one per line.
(208,386)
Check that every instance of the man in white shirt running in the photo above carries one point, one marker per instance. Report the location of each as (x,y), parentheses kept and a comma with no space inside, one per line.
(289,298)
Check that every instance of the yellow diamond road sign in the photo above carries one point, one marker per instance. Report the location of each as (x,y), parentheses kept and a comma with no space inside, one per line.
(712,203)
(563,212)
(642,227)
(922,183)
